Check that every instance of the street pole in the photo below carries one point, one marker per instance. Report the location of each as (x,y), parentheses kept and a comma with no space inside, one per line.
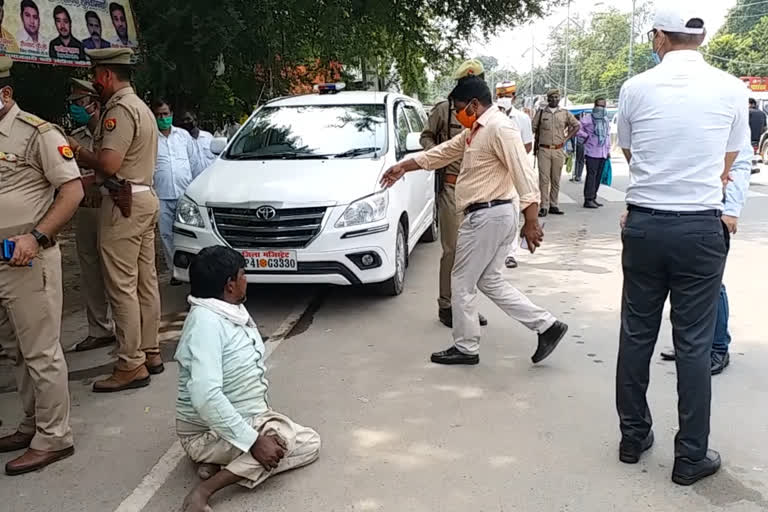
(631,40)
(567,53)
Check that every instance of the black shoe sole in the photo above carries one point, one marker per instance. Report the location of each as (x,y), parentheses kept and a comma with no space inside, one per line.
(551,348)
(448,362)
(690,480)
(141,383)
(155,370)
(63,455)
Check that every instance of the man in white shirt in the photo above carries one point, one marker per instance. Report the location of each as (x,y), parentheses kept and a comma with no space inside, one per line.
(177,165)
(201,138)
(674,241)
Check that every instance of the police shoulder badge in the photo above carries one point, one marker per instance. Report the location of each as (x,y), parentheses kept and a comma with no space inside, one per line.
(66,152)
(110,124)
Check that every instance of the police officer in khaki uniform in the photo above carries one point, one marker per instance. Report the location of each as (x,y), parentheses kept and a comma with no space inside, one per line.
(85,112)
(125,151)
(552,126)
(35,160)
(442,126)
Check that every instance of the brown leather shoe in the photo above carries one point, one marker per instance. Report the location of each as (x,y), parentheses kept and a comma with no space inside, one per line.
(92,342)
(32,460)
(154,364)
(15,441)
(122,380)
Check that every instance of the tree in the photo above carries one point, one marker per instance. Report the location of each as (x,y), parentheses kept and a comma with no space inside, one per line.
(743,17)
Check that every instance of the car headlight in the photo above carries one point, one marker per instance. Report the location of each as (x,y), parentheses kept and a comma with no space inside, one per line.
(188,213)
(366,210)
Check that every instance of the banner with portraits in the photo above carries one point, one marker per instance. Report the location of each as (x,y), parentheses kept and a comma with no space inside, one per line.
(58,32)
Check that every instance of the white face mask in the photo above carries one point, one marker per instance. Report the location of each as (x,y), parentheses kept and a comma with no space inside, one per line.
(505,103)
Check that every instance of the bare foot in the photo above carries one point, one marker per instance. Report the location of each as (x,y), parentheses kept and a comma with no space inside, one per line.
(206,471)
(197,501)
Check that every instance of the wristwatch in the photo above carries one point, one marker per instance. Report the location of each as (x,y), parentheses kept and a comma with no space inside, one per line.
(42,240)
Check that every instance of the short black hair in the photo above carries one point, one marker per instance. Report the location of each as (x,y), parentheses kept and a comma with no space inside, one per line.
(92,14)
(6,81)
(679,38)
(212,269)
(159,102)
(28,3)
(114,6)
(471,88)
(59,10)
(753,101)
(599,98)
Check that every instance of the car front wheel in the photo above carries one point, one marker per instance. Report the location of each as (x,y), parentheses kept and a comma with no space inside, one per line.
(394,286)
(432,234)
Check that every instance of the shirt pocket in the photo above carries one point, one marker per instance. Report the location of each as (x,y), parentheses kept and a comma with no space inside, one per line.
(8,172)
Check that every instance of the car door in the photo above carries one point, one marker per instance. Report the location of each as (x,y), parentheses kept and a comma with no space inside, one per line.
(424,188)
(410,192)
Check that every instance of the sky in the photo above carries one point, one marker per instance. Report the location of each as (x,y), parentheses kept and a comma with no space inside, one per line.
(509,45)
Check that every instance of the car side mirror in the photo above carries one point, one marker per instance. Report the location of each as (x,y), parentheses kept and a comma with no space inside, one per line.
(413,142)
(218,145)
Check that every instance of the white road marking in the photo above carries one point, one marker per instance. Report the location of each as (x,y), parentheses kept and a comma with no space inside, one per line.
(160,472)
(611,194)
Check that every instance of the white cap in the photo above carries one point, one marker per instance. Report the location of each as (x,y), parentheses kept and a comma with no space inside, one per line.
(675,18)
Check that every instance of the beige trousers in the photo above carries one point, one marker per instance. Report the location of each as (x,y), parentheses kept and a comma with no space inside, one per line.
(303,448)
(30,326)
(550,170)
(91,276)
(449,220)
(128,256)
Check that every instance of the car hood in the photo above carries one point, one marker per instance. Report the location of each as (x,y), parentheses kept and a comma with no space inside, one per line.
(286,183)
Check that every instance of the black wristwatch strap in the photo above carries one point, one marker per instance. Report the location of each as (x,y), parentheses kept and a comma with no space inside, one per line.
(42,239)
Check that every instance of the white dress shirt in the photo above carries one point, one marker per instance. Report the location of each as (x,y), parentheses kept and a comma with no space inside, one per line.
(177,164)
(203,148)
(679,119)
(741,173)
(524,123)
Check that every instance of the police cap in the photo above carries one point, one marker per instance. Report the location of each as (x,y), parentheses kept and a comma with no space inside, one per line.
(110,56)
(5,66)
(553,92)
(80,89)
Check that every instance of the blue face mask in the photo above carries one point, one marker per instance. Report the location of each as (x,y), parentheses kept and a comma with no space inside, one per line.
(656,58)
(79,115)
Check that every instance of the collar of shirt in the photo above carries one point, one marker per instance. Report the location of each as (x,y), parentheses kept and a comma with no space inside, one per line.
(82,129)
(677,57)
(118,95)
(175,132)
(7,121)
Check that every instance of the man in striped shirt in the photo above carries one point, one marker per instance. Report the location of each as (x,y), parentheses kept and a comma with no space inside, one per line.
(495,175)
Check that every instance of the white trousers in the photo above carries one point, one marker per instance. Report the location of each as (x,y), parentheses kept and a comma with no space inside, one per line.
(483,244)
(165,226)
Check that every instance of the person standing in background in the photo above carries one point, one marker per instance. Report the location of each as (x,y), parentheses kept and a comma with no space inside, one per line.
(85,113)
(177,165)
(596,136)
(93,22)
(201,138)
(757,123)
(578,161)
(552,126)
(8,43)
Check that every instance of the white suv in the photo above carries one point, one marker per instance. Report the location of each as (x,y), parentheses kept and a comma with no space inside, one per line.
(297,191)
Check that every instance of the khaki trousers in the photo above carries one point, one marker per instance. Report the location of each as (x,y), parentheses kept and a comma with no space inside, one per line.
(550,170)
(483,244)
(128,256)
(449,220)
(91,276)
(303,448)
(30,326)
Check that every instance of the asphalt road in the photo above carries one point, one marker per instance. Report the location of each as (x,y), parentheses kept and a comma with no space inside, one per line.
(401,434)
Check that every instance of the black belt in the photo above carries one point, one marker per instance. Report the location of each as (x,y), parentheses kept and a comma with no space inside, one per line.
(482,206)
(651,211)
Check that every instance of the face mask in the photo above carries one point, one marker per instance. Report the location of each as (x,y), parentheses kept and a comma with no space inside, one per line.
(598,112)
(654,54)
(79,115)
(165,123)
(505,103)
(466,120)
(189,126)
(553,102)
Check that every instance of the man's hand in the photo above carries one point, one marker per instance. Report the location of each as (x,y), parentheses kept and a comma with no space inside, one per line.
(533,234)
(25,251)
(73,143)
(269,450)
(623,220)
(393,174)
(732,223)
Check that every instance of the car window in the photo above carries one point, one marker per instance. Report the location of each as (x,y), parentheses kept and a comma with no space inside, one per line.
(401,127)
(312,131)
(414,119)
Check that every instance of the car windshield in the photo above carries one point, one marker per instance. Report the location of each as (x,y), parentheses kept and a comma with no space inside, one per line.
(312,131)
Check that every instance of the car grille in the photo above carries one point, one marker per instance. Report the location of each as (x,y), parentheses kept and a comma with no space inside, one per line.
(291,228)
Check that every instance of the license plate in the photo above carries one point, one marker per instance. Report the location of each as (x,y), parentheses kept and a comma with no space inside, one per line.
(274,260)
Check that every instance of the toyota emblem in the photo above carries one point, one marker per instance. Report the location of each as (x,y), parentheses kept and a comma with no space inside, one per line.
(266,213)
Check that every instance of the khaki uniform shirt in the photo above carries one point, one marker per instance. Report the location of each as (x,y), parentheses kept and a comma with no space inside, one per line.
(92,198)
(128,127)
(35,160)
(494,164)
(442,126)
(552,127)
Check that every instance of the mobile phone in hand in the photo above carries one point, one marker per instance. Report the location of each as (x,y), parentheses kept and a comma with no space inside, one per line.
(8,248)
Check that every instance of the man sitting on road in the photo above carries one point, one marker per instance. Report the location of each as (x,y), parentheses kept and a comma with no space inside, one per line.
(222,415)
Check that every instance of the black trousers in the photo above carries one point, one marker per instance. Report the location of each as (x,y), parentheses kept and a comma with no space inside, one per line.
(578,168)
(683,257)
(595,167)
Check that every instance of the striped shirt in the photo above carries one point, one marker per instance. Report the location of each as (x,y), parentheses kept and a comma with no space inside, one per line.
(494,163)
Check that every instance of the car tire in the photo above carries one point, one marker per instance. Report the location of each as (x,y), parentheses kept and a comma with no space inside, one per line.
(393,286)
(432,234)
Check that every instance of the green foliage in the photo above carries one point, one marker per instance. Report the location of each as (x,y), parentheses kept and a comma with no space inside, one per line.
(744,16)
(741,53)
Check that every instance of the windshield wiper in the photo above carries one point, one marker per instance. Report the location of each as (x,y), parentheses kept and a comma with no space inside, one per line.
(277,156)
(356,152)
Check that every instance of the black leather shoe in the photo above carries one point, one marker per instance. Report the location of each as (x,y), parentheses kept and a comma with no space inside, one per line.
(454,356)
(590,204)
(446,318)
(599,204)
(92,342)
(720,362)
(543,212)
(175,282)
(554,210)
(688,472)
(630,451)
(548,341)
(510,262)
(669,355)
